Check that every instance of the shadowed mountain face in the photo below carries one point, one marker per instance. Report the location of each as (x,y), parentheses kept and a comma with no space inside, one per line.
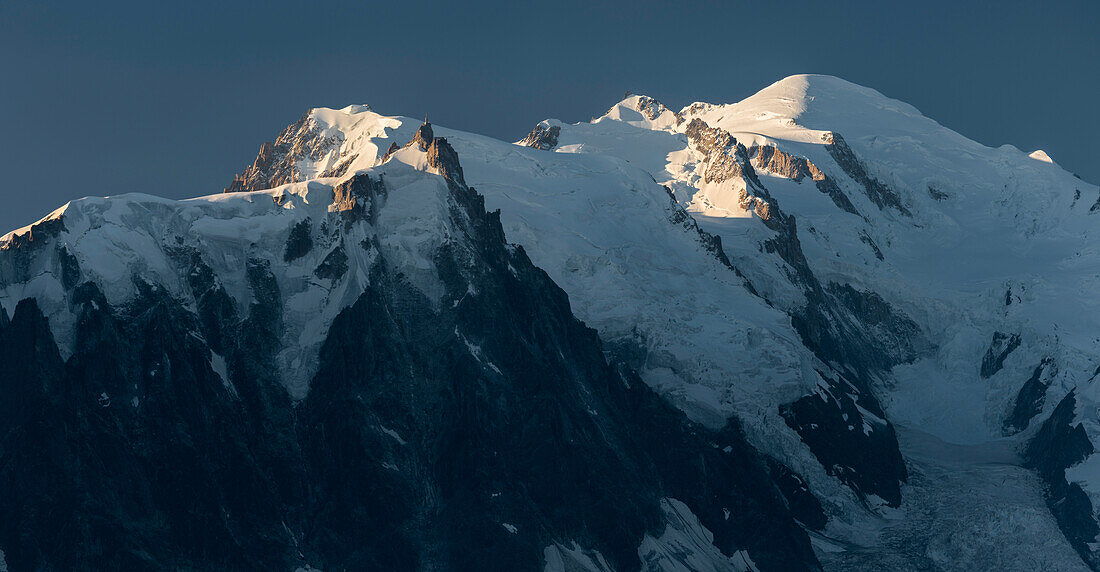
(473,430)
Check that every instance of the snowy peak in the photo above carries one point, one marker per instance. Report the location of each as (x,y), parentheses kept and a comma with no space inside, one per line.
(320,238)
(1040,155)
(642,111)
(808,102)
(322,143)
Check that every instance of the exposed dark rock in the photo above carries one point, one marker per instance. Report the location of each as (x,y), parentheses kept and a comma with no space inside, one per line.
(937,194)
(712,243)
(803,504)
(69,267)
(443,158)
(217,315)
(38,233)
(869,242)
(725,157)
(257,175)
(652,109)
(880,194)
(542,137)
(33,370)
(829,187)
(300,241)
(21,249)
(137,457)
(393,148)
(1029,401)
(341,168)
(774,160)
(1057,446)
(1095,206)
(994,358)
(277,163)
(358,198)
(267,305)
(898,338)
(770,158)
(423,137)
(861,451)
(334,266)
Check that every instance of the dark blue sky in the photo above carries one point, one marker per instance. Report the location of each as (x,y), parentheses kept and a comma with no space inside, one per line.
(173,98)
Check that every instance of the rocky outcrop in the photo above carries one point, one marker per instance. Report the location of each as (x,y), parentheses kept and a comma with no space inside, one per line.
(994,359)
(866,239)
(712,243)
(334,266)
(393,148)
(857,446)
(277,163)
(22,248)
(443,158)
(652,109)
(423,137)
(216,313)
(800,499)
(258,174)
(68,268)
(1058,445)
(879,193)
(725,157)
(544,137)
(937,194)
(1029,401)
(773,160)
(358,198)
(38,233)
(300,241)
(898,339)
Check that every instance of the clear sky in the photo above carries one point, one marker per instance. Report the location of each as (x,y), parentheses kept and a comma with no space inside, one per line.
(174,98)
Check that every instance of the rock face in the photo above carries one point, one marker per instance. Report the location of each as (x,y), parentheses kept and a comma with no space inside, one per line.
(994,358)
(358,198)
(652,109)
(1057,446)
(300,242)
(1029,401)
(277,163)
(879,193)
(771,159)
(469,431)
(544,137)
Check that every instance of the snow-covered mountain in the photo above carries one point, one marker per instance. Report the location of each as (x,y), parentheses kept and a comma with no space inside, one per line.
(875,335)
